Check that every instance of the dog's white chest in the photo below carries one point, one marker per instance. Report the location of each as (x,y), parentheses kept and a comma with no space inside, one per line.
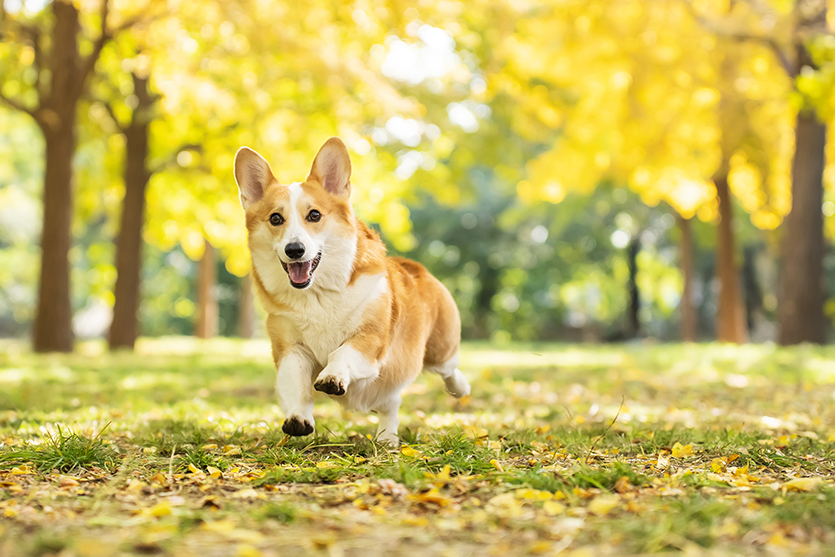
(326,320)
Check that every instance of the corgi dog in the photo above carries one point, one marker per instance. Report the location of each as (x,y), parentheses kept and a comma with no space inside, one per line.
(343,317)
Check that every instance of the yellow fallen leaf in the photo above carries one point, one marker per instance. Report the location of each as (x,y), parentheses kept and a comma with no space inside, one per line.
(21,470)
(718,465)
(160,509)
(603,504)
(325,464)
(416,521)
(248,493)
(553,508)
(134,485)
(680,451)
(475,432)
(67,481)
(246,550)
(542,429)
(218,526)
(432,496)
(213,472)
(623,485)
(406,450)
(209,447)
(802,484)
(496,465)
(533,494)
(194,469)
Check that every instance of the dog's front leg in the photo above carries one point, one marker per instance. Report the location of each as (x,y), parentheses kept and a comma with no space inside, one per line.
(293,385)
(346,365)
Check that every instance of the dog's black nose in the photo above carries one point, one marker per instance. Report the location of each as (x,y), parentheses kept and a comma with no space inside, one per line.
(295,250)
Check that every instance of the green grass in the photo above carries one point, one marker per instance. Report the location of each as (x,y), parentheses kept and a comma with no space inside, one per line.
(179,446)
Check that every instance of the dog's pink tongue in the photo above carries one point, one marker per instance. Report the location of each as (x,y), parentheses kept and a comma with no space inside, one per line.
(299,272)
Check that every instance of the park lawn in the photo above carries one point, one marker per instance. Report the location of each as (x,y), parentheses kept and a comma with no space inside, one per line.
(573,449)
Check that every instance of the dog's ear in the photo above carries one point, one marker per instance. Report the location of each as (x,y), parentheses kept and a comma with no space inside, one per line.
(252,174)
(332,167)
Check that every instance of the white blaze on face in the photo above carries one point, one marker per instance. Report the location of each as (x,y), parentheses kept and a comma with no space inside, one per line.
(296,232)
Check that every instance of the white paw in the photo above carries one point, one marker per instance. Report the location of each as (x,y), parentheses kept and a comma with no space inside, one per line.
(457,384)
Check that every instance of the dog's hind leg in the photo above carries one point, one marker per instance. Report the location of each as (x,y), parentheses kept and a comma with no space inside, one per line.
(387,427)
(455,381)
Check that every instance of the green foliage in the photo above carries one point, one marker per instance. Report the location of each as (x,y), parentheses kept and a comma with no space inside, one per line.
(65,452)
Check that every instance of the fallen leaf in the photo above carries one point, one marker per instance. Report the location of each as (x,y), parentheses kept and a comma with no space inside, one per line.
(248,493)
(246,550)
(553,508)
(680,451)
(432,496)
(406,450)
(623,485)
(802,484)
(603,504)
(213,472)
(67,481)
(393,488)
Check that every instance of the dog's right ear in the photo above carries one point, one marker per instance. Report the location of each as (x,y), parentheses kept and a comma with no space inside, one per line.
(253,175)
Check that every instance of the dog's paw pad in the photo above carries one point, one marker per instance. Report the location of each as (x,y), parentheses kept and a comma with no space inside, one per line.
(297,426)
(330,385)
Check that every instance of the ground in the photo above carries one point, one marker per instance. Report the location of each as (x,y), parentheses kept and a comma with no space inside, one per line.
(573,449)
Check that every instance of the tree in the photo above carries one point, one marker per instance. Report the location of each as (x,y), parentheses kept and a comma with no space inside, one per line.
(799,38)
(49,50)
(623,98)
(124,327)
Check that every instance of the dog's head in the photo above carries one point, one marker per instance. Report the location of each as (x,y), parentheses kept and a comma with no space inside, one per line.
(304,232)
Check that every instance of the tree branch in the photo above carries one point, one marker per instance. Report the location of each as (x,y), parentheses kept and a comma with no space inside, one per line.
(171,159)
(17,105)
(90,61)
(770,42)
(109,108)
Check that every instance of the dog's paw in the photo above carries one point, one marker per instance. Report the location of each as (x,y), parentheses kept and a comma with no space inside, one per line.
(457,385)
(296,426)
(330,385)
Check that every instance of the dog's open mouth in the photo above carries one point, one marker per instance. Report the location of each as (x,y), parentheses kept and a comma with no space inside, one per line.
(301,273)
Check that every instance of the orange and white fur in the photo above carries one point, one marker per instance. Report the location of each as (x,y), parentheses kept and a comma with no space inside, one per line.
(342,317)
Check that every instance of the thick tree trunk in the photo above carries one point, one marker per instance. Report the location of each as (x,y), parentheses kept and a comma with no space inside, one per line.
(53,322)
(246,308)
(731,318)
(57,118)
(633,324)
(687,311)
(207,305)
(125,326)
(800,312)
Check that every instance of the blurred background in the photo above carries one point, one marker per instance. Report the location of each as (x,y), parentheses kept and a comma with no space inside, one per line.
(571,170)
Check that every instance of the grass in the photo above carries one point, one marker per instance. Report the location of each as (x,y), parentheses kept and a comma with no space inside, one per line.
(584,450)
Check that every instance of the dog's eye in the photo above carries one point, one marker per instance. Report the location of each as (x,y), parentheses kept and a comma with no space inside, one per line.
(276,219)
(314,216)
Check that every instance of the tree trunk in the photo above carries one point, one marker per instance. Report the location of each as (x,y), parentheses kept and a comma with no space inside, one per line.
(53,322)
(801,311)
(57,118)
(207,305)
(246,308)
(731,318)
(633,324)
(125,326)
(687,311)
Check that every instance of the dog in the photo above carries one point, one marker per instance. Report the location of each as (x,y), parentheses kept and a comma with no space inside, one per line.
(342,316)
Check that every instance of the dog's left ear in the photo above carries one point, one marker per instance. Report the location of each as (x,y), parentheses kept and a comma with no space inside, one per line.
(332,167)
